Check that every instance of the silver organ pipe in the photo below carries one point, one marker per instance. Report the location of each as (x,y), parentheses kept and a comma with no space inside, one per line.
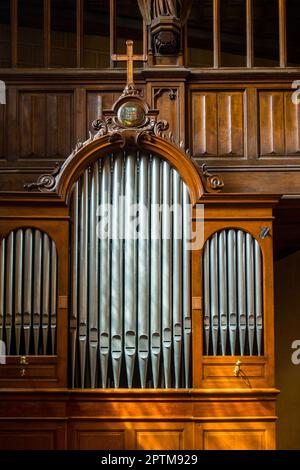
(250,292)
(142,270)
(177,274)
(104,286)
(93,276)
(116,269)
(83,269)
(232,300)
(241,288)
(155,271)
(206,296)
(232,284)
(186,282)
(74,281)
(214,292)
(258,296)
(222,274)
(37,299)
(18,288)
(46,291)
(2,286)
(130,267)
(9,290)
(166,291)
(28,274)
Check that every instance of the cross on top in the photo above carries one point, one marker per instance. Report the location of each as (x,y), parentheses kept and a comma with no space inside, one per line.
(130,57)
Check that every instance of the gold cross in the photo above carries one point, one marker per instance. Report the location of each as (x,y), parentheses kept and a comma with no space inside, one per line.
(129,58)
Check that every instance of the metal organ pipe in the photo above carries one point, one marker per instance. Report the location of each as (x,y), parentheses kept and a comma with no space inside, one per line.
(143,280)
(232,285)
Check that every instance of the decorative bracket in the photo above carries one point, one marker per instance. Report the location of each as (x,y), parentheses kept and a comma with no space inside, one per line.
(214,183)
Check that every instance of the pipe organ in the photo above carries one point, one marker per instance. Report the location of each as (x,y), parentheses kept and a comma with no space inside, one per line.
(120,332)
(130,323)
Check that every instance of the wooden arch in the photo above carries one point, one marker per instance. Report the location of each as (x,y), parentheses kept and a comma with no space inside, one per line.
(99,148)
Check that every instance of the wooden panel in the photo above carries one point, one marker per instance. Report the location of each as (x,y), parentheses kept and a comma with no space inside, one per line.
(292,125)
(218,124)
(235,436)
(271,119)
(167,101)
(2,129)
(30,435)
(97,436)
(45,125)
(159,439)
(97,101)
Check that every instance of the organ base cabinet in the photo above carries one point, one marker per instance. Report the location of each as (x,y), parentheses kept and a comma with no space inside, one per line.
(131,318)
(123,420)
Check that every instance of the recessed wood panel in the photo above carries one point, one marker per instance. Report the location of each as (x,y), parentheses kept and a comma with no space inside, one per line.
(167,101)
(218,124)
(97,436)
(162,436)
(292,125)
(271,119)
(45,125)
(235,436)
(2,123)
(279,120)
(32,436)
(97,102)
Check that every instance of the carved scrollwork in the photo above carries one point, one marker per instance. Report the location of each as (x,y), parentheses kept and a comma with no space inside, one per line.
(45,183)
(214,182)
(160,127)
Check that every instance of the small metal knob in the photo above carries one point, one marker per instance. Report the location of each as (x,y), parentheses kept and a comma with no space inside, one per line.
(23,372)
(237,368)
(23,360)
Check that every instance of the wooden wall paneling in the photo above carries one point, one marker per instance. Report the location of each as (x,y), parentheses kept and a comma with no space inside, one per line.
(235,436)
(97,435)
(2,130)
(14,32)
(32,434)
(251,124)
(12,124)
(157,435)
(218,123)
(292,125)
(163,436)
(169,99)
(80,114)
(231,124)
(45,125)
(96,102)
(204,124)
(271,122)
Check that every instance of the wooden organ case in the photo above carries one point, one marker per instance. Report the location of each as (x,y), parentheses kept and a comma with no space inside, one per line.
(122,343)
